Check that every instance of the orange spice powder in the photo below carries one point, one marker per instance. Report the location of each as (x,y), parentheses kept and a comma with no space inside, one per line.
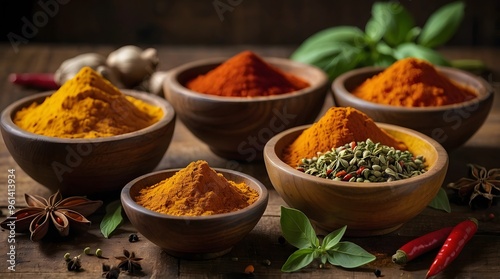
(246,75)
(412,82)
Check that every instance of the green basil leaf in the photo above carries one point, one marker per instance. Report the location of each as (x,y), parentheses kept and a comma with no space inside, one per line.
(400,25)
(112,219)
(418,51)
(346,60)
(442,25)
(324,52)
(349,255)
(299,259)
(413,34)
(441,201)
(339,34)
(333,238)
(375,29)
(297,229)
(391,21)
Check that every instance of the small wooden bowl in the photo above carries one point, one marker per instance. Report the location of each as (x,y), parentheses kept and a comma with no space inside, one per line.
(450,125)
(88,166)
(193,237)
(238,127)
(366,208)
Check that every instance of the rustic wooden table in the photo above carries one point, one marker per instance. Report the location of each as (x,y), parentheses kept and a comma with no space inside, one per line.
(261,248)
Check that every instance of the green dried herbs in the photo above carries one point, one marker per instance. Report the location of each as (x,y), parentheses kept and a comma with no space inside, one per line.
(364,161)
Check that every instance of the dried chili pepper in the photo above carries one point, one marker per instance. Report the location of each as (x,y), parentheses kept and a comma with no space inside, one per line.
(421,245)
(459,236)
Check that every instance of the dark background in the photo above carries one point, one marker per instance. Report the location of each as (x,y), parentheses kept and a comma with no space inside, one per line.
(197,22)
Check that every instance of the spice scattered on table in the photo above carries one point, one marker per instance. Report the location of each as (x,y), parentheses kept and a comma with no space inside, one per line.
(129,262)
(480,188)
(246,75)
(456,241)
(196,190)
(36,218)
(364,161)
(413,82)
(133,237)
(338,126)
(87,106)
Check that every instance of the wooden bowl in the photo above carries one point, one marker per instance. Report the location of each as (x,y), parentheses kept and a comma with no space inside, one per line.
(88,166)
(238,127)
(193,237)
(450,125)
(366,208)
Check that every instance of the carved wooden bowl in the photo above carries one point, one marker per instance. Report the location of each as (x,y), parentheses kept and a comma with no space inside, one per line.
(366,208)
(238,127)
(193,237)
(88,166)
(450,125)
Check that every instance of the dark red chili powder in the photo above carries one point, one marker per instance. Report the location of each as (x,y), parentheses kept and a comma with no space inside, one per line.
(246,75)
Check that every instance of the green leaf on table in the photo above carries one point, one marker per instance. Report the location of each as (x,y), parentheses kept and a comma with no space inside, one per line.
(112,219)
(333,238)
(413,50)
(339,34)
(349,255)
(299,259)
(297,229)
(441,201)
(442,25)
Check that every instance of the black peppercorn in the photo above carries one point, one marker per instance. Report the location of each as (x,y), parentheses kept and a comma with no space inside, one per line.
(133,237)
(377,273)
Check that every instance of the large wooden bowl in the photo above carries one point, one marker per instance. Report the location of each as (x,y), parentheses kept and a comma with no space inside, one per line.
(366,208)
(238,127)
(193,237)
(450,125)
(88,166)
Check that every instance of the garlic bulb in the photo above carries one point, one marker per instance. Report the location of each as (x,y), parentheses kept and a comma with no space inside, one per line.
(70,67)
(156,81)
(133,64)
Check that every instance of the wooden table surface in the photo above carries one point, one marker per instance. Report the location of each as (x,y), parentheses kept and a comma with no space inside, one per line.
(261,248)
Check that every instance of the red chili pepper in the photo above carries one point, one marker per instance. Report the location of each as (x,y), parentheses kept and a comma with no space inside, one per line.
(360,170)
(341,173)
(328,171)
(459,236)
(347,177)
(421,245)
(353,144)
(43,81)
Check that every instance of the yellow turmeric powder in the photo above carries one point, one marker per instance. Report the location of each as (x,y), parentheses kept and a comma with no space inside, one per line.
(412,82)
(339,126)
(87,106)
(196,190)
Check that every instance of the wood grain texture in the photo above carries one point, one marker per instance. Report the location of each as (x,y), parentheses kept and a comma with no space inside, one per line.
(45,259)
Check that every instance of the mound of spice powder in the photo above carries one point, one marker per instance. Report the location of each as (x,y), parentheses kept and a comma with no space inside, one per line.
(87,106)
(246,75)
(412,82)
(196,190)
(338,126)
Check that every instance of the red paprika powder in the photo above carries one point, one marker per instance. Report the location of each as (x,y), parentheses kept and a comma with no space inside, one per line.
(246,75)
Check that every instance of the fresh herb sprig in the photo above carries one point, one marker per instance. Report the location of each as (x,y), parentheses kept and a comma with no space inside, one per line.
(389,35)
(298,231)
(112,219)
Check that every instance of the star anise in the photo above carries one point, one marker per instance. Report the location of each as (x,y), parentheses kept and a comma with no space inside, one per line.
(61,212)
(483,183)
(129,262)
